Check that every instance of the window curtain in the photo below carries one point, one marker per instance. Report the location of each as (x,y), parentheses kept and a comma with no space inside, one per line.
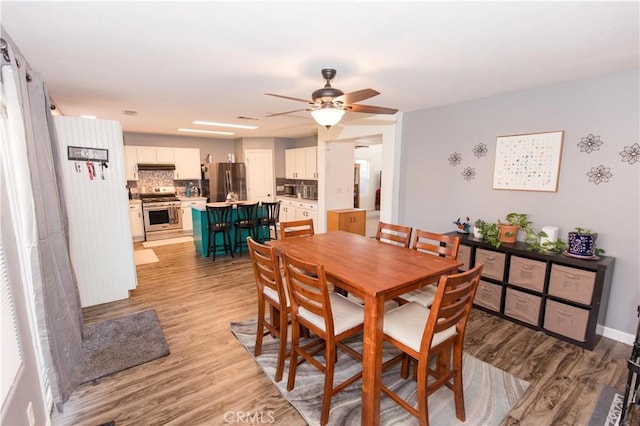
(55,292)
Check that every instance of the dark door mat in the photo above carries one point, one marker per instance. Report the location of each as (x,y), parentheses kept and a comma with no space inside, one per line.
(120,343)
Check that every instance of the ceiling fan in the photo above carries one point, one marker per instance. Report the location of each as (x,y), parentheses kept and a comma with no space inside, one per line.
(328,104)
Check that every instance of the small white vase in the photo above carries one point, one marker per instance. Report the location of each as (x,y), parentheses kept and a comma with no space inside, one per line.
(476,232)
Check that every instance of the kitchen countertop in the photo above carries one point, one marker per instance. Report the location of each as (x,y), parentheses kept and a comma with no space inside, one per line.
(136,201)
(224,203)
(301,200)
(183,198)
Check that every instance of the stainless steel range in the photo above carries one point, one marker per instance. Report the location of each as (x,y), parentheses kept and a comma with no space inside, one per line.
(162,213)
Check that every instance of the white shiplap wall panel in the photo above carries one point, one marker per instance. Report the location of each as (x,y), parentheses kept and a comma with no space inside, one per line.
(98,210)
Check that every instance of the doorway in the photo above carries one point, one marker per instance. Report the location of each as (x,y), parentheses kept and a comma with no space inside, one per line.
(368,163)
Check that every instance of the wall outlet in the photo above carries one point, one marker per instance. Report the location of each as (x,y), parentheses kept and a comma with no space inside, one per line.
(30,415)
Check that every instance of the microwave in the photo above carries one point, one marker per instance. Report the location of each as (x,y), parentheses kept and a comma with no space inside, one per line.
(290,189)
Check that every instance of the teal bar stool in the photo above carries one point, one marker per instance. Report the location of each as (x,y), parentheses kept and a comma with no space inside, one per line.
(219,222)
(246,223)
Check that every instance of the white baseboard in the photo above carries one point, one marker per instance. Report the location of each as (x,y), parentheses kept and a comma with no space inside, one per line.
(614,334)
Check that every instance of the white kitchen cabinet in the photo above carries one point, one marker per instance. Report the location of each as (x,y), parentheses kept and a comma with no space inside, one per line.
(287,211)
(187,218)
(311,162)
(301,163)
(137,222)
(130,162)
(165,155)
(290,163)
(187,161)
(146,155)
(306,211)
(291,210)
(155,155)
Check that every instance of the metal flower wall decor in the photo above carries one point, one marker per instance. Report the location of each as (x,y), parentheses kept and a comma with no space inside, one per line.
(480,150)
(455,158)
(469,173)
(590,143)
(599,174)
(631,154)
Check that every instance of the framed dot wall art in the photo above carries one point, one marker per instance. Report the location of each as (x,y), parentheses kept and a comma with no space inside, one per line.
(529,162)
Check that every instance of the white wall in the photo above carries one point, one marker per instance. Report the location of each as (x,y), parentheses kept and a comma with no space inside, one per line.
(433,192)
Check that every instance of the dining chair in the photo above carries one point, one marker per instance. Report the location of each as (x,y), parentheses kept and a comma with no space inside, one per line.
(435,244)
(330,316)
(422,333)
(219,222)
(394,234)
(272,292)
(246,221)
(296,228)
(270,218)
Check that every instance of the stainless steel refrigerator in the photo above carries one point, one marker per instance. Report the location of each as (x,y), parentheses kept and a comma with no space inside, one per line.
(226,178)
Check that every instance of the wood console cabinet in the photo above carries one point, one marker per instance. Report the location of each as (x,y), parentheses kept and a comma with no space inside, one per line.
(350,220)
(561,296)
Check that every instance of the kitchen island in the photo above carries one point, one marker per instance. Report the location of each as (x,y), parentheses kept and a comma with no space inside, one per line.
(200,225)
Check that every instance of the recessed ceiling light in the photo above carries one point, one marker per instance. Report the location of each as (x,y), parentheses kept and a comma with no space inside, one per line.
(215,132)
(92,117)
(235,126)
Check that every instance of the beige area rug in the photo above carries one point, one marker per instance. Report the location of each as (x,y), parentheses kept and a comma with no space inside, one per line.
(143,257)
(148,244)
(489,392)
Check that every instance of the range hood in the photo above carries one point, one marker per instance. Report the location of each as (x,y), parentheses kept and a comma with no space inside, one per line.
(146,166)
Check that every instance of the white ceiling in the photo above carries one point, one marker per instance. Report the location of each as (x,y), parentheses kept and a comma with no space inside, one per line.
(176,62)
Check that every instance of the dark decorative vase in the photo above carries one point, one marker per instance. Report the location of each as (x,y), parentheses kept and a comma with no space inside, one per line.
(582,244)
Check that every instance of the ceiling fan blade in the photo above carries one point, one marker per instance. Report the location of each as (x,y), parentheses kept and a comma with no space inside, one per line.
(370,109)
(289,97)
(360,95)
(288,112)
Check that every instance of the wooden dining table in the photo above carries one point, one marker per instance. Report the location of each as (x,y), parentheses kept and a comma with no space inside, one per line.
(375,272)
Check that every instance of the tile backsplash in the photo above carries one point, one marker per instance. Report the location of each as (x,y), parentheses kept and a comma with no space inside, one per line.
(152,178)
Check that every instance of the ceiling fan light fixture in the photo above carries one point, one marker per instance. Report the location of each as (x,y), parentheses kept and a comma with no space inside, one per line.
(327,115)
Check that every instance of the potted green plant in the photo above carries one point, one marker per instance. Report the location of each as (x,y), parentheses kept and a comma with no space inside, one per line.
(489,232)
(515,222)
(582,243)
(557,246)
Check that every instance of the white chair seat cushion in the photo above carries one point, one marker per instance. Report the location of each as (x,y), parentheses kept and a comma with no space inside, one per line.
(406,324)
(423,296)
(346,314)
(273,295)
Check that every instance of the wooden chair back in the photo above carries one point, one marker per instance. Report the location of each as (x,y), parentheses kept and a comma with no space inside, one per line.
(311,308)
(442,338)
(438,244)
(394,234)
(307,286)
(296,228)
(451,307)
(266,269)
(272,292)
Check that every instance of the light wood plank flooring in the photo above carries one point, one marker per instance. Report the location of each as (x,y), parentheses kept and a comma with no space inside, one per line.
(209,379)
